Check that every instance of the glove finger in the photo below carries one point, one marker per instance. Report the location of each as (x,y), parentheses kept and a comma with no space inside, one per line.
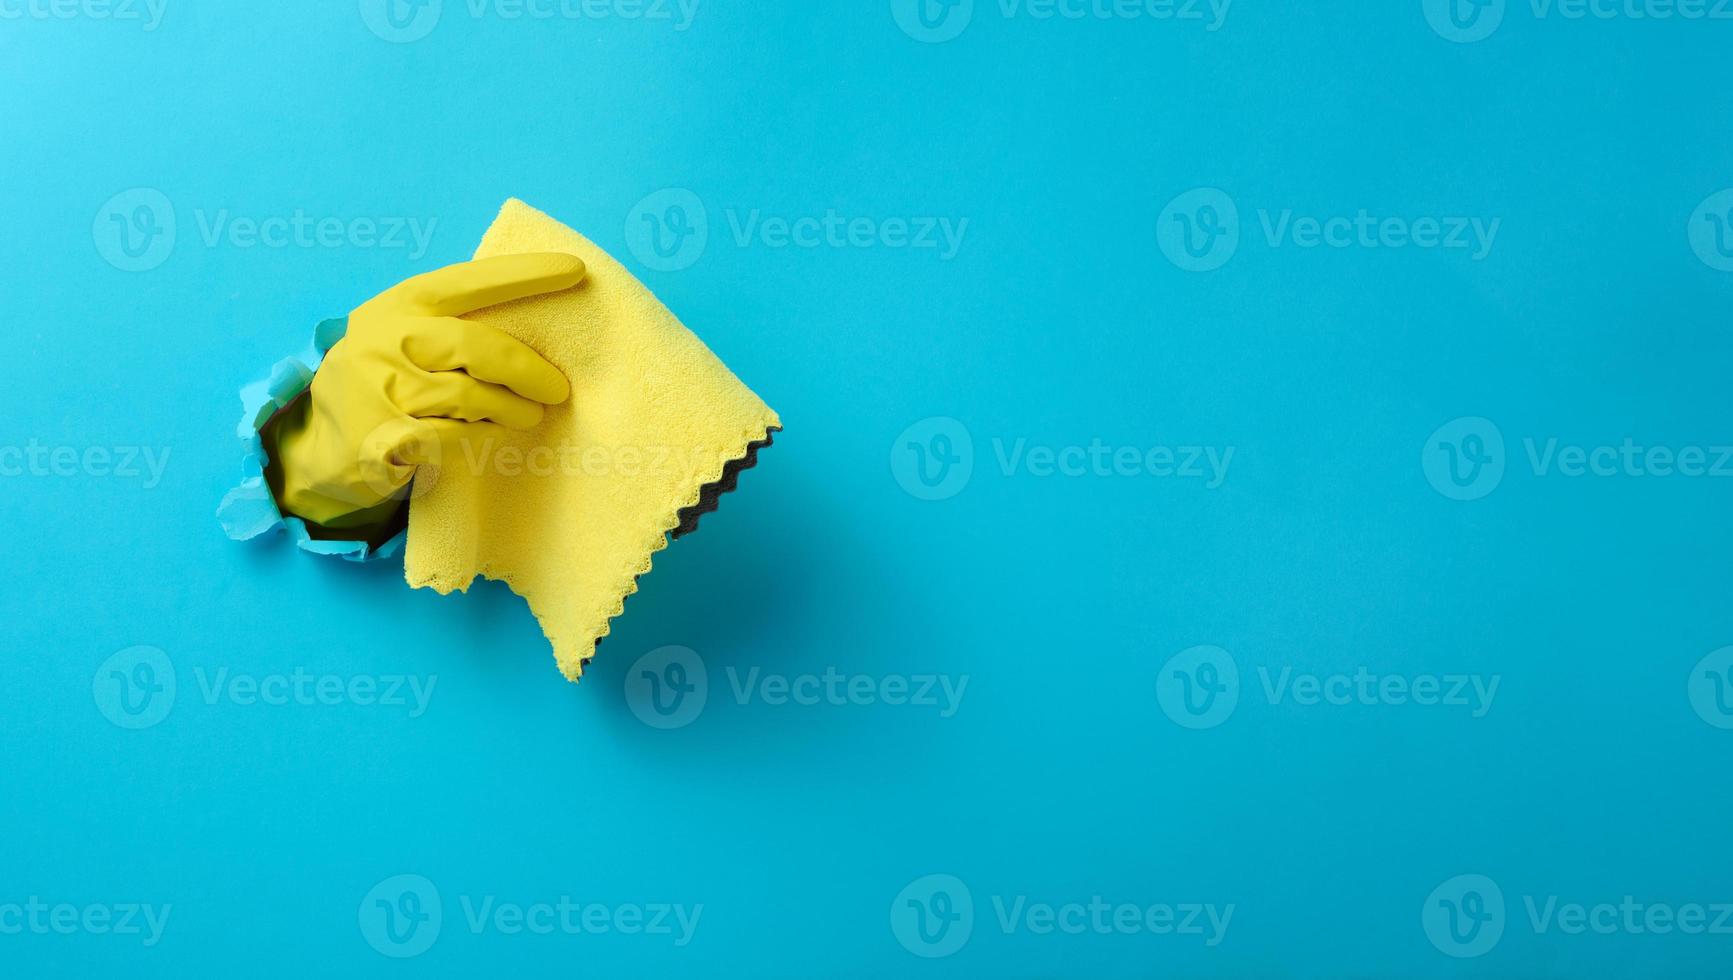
(452,442)
(447,343)
(455,395)
(402,449)
(383,458)
(469,286)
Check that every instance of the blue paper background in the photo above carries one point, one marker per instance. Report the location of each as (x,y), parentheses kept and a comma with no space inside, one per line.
(1059,321)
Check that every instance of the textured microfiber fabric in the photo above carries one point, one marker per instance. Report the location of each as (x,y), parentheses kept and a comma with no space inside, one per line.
(568,514)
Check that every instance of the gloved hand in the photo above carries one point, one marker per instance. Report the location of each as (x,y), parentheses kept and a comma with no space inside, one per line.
(409,383)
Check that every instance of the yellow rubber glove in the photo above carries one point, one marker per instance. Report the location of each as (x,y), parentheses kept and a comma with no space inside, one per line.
(411,383)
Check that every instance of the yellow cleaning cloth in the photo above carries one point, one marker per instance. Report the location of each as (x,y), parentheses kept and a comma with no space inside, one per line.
(569,513)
